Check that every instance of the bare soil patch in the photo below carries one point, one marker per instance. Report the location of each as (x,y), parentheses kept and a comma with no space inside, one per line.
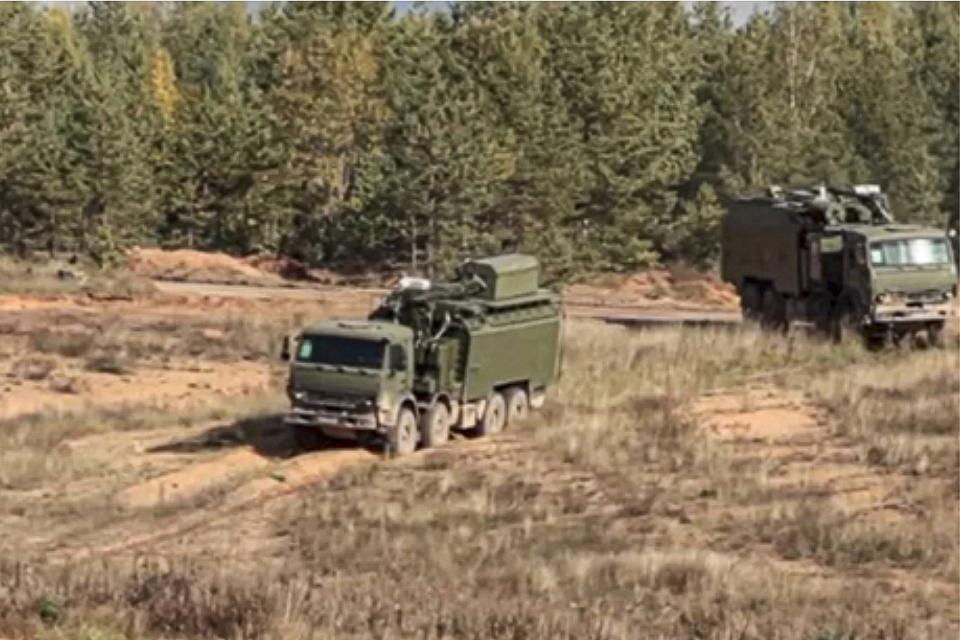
(171,387)
(677,287)
(186,264)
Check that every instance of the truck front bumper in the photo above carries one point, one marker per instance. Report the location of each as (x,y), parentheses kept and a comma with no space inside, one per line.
(320,418)
(904,316)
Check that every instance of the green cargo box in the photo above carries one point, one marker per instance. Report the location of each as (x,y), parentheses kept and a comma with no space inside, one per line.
(516,343)
(506,277)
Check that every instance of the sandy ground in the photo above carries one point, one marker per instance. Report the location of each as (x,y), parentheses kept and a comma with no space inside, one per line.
(170,387)
(790,436)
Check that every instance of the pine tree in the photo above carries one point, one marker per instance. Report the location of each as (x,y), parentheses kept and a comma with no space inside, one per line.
(109,132)
(508,53)
(629,77)
(329,99)
(221,142)
(931,37)
(444,155)
(38,199)
(892,119)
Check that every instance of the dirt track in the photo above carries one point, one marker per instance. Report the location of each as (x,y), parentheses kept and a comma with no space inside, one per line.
(627,314)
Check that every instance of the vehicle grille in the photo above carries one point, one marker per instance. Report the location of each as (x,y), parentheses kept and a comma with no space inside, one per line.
(339,403)
(931,295)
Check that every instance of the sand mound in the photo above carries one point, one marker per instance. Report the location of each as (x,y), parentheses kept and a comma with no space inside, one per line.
(186,264)
(291,269)
(679,283)
(677,286)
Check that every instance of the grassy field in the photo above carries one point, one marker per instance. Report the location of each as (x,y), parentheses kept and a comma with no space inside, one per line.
(680,483)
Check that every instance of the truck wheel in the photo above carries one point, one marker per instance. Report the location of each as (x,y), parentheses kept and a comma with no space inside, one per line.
(774,316)
(935,336)
(843,329)
(876,341)
(750,302)
(518,406)
(493,416)
(403,436)
(435,426)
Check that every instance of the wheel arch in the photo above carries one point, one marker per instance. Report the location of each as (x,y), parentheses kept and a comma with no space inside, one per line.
(523,383)
(407,401)
(443,397)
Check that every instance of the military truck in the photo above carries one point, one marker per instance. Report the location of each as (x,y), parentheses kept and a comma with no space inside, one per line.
(473,354)
(834,257)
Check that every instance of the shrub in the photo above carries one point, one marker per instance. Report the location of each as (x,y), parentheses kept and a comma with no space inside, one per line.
(113,362)
(70,344)
(33,368)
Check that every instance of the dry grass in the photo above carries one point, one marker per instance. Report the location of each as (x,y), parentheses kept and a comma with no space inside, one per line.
(33,368)
(622,399)
(35,448)
(228,338)
(70,343)
(51,277)
(818,531)
(611,516)
(906,416)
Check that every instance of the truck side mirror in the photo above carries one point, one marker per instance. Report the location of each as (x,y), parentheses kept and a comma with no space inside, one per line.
(398,359)
(285,349)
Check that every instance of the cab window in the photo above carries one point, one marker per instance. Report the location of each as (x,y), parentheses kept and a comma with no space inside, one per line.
(341,351)
(909,251)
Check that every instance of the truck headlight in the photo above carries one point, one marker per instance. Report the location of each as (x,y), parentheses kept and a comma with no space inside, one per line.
(883,298)
(947,295)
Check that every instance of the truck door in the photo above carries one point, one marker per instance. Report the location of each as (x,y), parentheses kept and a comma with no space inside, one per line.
(856,276)
(814,264)
(832,261)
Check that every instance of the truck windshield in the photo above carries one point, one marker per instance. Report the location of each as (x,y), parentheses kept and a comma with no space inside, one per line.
(909,252)
(341,351)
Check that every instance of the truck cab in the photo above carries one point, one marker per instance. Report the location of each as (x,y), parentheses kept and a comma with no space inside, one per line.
(349,379)
(909,278)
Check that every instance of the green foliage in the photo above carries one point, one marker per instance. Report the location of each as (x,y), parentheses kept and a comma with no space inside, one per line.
(50,610)
(597,136)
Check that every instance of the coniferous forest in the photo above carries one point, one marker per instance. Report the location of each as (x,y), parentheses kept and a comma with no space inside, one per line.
(600,136)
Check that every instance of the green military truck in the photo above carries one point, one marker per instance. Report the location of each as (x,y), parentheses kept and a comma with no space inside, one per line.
(473,354)
(834,257)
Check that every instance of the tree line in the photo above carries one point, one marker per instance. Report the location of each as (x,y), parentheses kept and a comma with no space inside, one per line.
(599,136)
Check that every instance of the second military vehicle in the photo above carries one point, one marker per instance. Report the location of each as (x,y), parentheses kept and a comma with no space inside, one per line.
(473,354)
(834,257)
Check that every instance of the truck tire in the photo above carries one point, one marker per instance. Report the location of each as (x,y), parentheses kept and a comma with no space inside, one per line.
(494,416)
(876,341)
(751,298)
(518,405)
(774,315)
(402,437)
(935,336)
(843,328)
(435,426)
